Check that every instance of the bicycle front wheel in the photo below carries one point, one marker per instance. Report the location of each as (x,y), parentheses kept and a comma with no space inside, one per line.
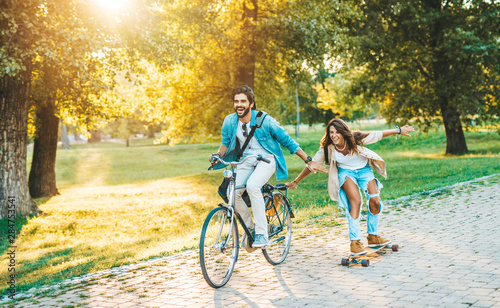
(218,247)
(279,224)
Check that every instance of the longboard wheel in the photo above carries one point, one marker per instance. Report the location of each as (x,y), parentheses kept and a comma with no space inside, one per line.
(365,262)
(395,247)
(345,262)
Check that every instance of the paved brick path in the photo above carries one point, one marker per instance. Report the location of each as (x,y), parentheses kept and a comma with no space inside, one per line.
(448,258)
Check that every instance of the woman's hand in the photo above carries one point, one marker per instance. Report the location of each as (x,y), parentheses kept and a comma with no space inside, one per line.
(314,166)
(290,185)
(406,129)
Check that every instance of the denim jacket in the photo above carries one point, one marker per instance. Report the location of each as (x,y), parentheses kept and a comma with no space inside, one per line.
(270,135)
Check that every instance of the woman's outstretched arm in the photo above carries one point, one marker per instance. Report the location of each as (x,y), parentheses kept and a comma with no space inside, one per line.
(318,160)
(305,172)
(404,130)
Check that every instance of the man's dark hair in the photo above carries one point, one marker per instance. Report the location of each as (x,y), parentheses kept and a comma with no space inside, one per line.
(248,92)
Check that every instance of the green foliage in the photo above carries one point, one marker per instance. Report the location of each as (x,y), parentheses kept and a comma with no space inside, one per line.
(21,24)
(125,127)
(210,48)
(333,96)
(421,60)
(74,50)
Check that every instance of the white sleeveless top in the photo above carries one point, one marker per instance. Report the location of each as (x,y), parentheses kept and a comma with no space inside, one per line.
(350,161)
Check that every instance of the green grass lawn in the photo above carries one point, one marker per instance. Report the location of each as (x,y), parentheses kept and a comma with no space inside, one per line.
(120,205)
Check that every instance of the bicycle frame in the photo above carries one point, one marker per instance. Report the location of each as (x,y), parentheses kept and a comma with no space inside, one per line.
(232,201)
(219,246)
(280,219)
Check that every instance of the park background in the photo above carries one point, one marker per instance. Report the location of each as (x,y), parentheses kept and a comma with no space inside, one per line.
(119,70)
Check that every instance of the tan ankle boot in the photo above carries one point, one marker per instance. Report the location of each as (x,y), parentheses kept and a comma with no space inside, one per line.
(357,248)
(377,240)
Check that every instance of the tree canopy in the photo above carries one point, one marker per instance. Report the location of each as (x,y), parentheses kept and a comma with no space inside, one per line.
(207,48)
(422,60)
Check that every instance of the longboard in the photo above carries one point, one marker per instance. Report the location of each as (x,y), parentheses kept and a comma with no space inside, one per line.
(370,250)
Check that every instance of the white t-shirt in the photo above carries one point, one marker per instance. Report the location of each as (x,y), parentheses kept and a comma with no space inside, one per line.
(253,147)
(350,161)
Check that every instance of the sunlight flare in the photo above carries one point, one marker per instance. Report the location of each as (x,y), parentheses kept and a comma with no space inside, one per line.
(114,5)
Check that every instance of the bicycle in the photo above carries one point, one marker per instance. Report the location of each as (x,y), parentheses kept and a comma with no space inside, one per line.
(219,241)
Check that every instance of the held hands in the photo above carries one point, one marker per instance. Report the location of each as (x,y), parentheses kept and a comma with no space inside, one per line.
(314,166)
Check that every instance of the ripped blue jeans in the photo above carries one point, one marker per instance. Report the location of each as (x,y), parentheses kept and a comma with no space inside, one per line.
(361,177)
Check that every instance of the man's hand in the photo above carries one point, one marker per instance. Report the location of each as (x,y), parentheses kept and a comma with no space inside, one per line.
(314,166)
(291,185)
(213,158)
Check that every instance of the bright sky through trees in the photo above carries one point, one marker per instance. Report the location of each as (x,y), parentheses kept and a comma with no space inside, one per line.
(114,5)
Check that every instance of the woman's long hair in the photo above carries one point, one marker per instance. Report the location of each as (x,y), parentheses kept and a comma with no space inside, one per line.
(352,138)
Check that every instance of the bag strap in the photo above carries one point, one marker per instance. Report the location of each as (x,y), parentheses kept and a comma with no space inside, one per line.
(258,123)
(327,161)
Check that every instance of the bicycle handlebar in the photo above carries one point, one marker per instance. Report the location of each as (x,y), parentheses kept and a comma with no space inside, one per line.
(216,158)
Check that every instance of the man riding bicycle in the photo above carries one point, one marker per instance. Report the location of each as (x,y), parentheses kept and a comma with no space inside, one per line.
(265,141)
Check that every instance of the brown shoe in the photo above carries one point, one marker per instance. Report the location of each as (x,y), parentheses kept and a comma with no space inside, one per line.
(377,241)
(357,248)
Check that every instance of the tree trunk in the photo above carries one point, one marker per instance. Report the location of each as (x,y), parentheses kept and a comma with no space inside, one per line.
(455,138)
(64,136)
(42,179)
(14,99)
(76,132)
(245,74)
(95,136)
(151,131)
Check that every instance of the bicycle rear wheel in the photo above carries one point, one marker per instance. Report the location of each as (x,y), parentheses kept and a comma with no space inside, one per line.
(218,247)
(279,224)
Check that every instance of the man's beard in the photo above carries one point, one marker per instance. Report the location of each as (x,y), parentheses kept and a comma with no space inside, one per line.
(245,112)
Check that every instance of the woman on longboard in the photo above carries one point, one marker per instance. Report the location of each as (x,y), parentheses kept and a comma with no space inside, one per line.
(350,170)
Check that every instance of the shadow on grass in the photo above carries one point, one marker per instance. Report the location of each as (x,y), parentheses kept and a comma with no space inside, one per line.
(490,151)
(6,235)
(19,223)
(43,270)
(28,269)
